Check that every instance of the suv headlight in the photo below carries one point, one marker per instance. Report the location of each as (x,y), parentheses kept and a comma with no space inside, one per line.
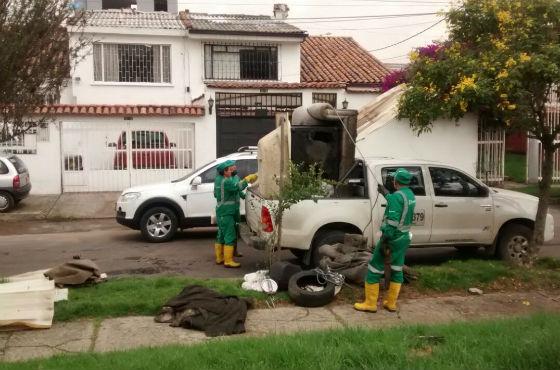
(127,197)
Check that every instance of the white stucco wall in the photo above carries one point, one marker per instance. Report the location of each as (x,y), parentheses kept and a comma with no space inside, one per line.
(45,166)
(455,144)
(85,90)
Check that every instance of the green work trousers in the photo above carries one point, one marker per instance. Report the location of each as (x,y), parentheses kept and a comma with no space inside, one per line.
(398,251)
(227,230)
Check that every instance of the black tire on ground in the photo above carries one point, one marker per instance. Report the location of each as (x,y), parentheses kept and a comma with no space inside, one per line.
(16,201)
(514,241)
(6,202)
(282,272)
(158,224)
(325,237)
(304,298)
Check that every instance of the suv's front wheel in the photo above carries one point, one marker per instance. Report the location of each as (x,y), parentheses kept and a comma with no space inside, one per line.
(158,224)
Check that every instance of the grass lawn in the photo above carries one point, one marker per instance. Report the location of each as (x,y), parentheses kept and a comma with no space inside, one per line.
(145,295)
(516,167)
(138,296)
(521,343)
(489,274)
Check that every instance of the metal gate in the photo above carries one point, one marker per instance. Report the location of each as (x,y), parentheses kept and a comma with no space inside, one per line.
(491,154)
(243,118)
(112,156)
(553,120)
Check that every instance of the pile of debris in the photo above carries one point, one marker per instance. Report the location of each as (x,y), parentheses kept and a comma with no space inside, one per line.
(27,300)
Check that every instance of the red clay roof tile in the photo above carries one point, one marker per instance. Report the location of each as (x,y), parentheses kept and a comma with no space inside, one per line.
(119,110)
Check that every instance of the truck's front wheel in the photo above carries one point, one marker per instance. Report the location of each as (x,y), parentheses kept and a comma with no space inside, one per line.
(323,238)
(514,242)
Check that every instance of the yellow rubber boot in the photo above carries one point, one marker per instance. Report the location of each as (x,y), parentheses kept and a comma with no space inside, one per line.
(228,257)
(390,303)
(219,251)
(370,303)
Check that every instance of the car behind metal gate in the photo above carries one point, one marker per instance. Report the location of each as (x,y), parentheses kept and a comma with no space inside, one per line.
(112,156)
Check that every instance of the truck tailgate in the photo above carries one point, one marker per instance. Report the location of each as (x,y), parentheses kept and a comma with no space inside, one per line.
(253,205)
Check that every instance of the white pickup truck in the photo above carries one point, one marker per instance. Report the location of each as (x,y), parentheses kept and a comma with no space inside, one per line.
(453,209)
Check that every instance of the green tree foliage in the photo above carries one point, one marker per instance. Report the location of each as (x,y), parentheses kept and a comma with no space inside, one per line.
(36,57)
(501,61)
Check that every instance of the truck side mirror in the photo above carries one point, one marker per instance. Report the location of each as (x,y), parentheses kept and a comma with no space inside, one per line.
(196,181)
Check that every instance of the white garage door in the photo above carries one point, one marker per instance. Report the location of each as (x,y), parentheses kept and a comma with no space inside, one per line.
(112,156)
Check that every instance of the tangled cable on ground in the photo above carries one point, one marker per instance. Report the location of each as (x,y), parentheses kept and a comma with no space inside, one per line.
(329,276)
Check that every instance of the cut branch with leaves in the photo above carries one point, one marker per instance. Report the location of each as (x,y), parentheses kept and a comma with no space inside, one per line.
(301,183)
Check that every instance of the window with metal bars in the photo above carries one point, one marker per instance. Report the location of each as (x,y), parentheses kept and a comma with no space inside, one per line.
(240,62)
(160,5)
(325,98)
(132,63)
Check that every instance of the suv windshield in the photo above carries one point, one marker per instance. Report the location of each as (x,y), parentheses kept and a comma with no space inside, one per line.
(18,164)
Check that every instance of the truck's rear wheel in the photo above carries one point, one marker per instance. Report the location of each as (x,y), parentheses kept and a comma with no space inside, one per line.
(158,224)
(514,242)
(325,237)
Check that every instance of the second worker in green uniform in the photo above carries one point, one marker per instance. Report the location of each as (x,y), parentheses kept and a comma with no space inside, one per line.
(395,230)
(228,190)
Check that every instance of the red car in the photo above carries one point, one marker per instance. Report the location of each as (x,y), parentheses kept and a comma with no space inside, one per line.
(149,150)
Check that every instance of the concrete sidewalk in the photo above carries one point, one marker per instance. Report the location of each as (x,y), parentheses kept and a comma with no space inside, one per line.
(67,206)
(120,334)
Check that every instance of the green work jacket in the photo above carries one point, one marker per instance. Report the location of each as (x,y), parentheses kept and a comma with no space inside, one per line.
(399,213)
(227,192)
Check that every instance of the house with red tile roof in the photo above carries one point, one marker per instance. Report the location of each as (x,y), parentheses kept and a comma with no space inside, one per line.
(161,92)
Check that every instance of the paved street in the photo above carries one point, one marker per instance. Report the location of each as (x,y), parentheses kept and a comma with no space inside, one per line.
(118,250)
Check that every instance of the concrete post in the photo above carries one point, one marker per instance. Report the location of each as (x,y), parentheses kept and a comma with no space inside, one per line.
(533,153)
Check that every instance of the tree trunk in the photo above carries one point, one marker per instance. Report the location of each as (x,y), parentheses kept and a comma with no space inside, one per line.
(544,198)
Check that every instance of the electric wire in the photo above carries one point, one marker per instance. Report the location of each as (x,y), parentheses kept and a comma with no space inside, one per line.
(369,170)
(408,38)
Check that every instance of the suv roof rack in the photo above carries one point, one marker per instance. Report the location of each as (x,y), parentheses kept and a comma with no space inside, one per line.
(248,149)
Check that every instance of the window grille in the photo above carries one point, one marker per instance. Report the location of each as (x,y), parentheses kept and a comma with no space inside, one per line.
(132,63)
(240,62)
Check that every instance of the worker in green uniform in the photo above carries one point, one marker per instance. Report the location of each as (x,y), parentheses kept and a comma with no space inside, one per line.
(395,231)
(228,189)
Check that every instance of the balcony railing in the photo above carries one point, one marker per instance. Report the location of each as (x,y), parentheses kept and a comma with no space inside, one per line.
(222,69)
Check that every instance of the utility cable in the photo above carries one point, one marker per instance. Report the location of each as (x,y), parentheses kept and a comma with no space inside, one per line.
(408,38)
(369,170)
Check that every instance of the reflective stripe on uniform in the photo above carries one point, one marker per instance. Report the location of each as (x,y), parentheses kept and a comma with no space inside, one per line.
(374,270)
(396,268)
(405,209)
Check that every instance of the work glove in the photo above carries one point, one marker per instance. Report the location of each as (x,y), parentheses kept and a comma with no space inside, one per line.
(382,190)
(251,178)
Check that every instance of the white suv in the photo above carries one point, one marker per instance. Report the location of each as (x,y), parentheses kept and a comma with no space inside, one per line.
(158,210)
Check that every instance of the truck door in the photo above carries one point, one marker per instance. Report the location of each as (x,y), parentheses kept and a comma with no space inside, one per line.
(422,227)
(463,210)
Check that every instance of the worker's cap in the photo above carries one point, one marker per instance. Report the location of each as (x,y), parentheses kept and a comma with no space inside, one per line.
(222,166)
(402,176)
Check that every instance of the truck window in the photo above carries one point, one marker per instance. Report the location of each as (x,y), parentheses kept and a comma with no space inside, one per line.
(451,183)
(354,186)
(416,184)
